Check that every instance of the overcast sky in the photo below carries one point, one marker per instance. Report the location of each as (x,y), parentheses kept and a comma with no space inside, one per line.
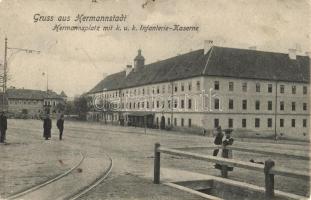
(76,61)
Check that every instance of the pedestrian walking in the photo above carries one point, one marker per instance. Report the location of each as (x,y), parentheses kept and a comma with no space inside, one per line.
(60,126)
(47,125)
(218,139)
(3,127)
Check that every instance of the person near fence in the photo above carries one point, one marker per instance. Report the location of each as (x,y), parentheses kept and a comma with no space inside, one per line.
(47,125)
(228,141)
(60,126)
(218,139)
(3,127)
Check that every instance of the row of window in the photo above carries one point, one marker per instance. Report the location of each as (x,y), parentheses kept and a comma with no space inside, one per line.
(183,87)
(33,102)
(257,123)
(48,103)
(257,105)
(182,122)
(155,90)
(258,87)
(158,104)
(269,122)
(23,102)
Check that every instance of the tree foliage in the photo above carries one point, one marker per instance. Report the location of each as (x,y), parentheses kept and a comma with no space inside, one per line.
(81,106)
(60,107)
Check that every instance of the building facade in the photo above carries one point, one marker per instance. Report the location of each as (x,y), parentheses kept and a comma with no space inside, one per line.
(250,91)
(32,103)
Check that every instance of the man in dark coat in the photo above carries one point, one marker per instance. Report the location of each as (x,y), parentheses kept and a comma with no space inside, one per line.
(47,125)
(227,153)
(218,139)
(3,127)
(60,126)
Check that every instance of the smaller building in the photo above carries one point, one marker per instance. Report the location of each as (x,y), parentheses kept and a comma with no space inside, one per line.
(28,103)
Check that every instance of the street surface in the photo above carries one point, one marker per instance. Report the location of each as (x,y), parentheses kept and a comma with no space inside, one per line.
(29,159)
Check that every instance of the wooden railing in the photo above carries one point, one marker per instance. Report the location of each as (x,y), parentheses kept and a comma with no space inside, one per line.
(268,168)
(248,150)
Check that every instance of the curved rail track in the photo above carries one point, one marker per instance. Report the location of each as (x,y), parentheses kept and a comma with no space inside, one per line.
(93,185)
(74,195)
(37,187)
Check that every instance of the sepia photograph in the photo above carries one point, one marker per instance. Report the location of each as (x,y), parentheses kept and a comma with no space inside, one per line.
(155,99)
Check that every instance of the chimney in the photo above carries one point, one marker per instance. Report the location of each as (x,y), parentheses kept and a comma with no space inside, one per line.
(139,61)
(292,54)
(308,53)
(128,69)
(207,45)
(252,48)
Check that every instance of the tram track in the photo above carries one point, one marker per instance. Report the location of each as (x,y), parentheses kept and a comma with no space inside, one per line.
(93,185)
(69,185)
(37,187)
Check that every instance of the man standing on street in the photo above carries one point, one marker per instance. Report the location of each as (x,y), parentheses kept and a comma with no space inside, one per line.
(3,127)
(228,141)
(60,126)
(218,139)
(226,153)
(47,125)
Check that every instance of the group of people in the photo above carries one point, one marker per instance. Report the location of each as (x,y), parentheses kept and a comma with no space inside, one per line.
(3,127)
(47,126)
(228,140)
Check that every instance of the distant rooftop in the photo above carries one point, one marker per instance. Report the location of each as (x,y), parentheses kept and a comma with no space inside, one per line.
(14,93)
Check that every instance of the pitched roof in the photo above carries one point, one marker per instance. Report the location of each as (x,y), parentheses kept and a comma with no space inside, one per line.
(245,63)
(31,94)
(111,82)
(178,67)
(218,61)
(63,94)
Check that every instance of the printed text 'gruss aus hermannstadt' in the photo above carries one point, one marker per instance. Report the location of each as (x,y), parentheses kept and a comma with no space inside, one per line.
(104,18)
(80,18)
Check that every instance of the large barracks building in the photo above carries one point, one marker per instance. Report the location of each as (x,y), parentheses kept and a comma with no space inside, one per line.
(243,89)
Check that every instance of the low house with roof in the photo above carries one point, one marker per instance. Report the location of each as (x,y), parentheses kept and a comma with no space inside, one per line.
(243,89)
(32,103)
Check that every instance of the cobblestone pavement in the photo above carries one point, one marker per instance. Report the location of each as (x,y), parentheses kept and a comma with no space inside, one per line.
(132,153)
(27,161)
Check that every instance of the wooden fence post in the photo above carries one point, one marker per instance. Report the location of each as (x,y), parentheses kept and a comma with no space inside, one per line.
(156,175)
(269,179)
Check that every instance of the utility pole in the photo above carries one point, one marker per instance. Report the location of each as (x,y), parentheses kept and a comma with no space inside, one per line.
(4,73)
(5,64)
(5,68)
(47,91)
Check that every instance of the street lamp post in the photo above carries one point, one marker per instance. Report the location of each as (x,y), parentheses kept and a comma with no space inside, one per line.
(46,105)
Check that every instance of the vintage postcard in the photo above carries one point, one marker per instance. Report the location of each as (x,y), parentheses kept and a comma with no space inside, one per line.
(155,99)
